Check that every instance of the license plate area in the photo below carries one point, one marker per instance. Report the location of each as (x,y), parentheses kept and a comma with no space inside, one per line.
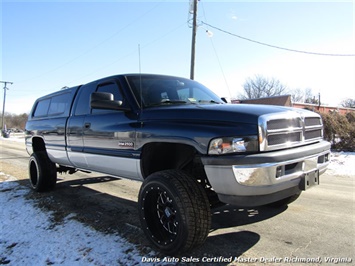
(309,179)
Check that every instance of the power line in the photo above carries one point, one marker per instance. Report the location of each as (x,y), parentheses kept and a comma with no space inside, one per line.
(95,46)
(132,52)
(216,54)
(273,46)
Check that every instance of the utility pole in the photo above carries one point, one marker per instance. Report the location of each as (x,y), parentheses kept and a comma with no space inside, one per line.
(3,106)
(194,29)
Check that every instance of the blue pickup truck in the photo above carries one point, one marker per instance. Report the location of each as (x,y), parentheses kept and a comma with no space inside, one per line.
(191,150)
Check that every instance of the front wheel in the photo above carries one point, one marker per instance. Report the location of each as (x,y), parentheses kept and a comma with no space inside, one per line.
(42,172)
(174,211)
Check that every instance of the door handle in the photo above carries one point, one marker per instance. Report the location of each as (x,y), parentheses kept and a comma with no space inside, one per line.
(87,125)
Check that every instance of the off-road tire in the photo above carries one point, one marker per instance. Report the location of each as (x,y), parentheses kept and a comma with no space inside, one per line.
(42,172)
(174,211)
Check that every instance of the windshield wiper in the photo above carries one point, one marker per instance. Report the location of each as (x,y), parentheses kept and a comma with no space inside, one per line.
(167,101)
(209,101)
(172,101)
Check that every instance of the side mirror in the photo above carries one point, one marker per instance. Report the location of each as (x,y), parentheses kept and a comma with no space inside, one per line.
(226,100)
(105,100)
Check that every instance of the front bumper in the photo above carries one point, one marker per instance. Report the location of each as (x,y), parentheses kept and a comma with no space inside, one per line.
(258,179)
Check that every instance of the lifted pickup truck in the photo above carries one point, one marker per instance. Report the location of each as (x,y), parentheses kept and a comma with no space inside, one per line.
(191,150)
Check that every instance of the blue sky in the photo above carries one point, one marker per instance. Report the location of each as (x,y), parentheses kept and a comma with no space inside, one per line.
(47,45)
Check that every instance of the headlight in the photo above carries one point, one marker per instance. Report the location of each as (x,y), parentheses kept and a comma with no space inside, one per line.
(233,145)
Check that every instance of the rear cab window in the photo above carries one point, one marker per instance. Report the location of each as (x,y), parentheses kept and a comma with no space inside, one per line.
(59,104)
(53,105)
(42,108)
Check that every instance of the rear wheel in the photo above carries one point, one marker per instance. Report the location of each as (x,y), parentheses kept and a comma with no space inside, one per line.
(174,211)
(42,172)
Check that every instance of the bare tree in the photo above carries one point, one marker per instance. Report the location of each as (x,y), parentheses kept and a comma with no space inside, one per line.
(304,96)
(350,103)
(310,97)
(297,95)
(259,87)
(15,120)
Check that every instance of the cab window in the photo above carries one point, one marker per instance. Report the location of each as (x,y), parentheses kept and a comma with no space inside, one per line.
(59,104)
(42,108)
(83,102)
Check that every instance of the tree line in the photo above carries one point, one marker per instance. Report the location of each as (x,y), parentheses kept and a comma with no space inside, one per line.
(15,121)
(261,87)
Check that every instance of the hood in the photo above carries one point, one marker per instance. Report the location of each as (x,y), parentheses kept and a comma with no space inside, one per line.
(228,113)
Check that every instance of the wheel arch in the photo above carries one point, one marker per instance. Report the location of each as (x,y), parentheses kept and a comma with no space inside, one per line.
(38,144)
(158,156)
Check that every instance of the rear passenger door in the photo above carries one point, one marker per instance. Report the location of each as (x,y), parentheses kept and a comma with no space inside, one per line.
(109,137)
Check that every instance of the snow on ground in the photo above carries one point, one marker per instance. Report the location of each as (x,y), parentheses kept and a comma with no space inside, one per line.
(29,237)
(15,138)
(342,163)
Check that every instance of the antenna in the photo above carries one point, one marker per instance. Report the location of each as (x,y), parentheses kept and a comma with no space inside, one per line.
(140,77)
(139,58)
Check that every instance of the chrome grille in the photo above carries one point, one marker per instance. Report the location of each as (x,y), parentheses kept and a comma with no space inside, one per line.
(277,139)
(289,129)
(313,134)
(312,121)
(283,123)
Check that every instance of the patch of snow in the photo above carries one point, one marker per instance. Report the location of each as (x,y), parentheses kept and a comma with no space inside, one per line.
(342,163)
(17,138)
(29,237)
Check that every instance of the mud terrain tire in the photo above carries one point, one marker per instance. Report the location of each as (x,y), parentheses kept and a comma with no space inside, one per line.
(42,172)
(174,211)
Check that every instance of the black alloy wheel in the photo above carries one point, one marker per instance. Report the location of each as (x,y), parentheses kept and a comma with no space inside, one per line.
(174,211)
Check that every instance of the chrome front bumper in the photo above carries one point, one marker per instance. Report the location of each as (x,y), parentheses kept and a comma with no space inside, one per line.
(275,173)
(273,176)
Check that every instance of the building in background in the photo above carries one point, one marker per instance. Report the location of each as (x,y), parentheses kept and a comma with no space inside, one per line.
(285,100)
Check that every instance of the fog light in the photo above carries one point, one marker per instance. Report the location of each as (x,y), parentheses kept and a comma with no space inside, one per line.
(278,171)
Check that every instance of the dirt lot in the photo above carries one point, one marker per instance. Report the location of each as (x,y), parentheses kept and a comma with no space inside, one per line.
(320,224)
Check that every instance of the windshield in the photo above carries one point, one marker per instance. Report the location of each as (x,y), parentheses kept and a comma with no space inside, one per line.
(165,90)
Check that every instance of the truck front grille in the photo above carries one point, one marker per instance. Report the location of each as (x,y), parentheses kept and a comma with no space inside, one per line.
(313,134)
(289,129)
(283,123)
(277,139)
